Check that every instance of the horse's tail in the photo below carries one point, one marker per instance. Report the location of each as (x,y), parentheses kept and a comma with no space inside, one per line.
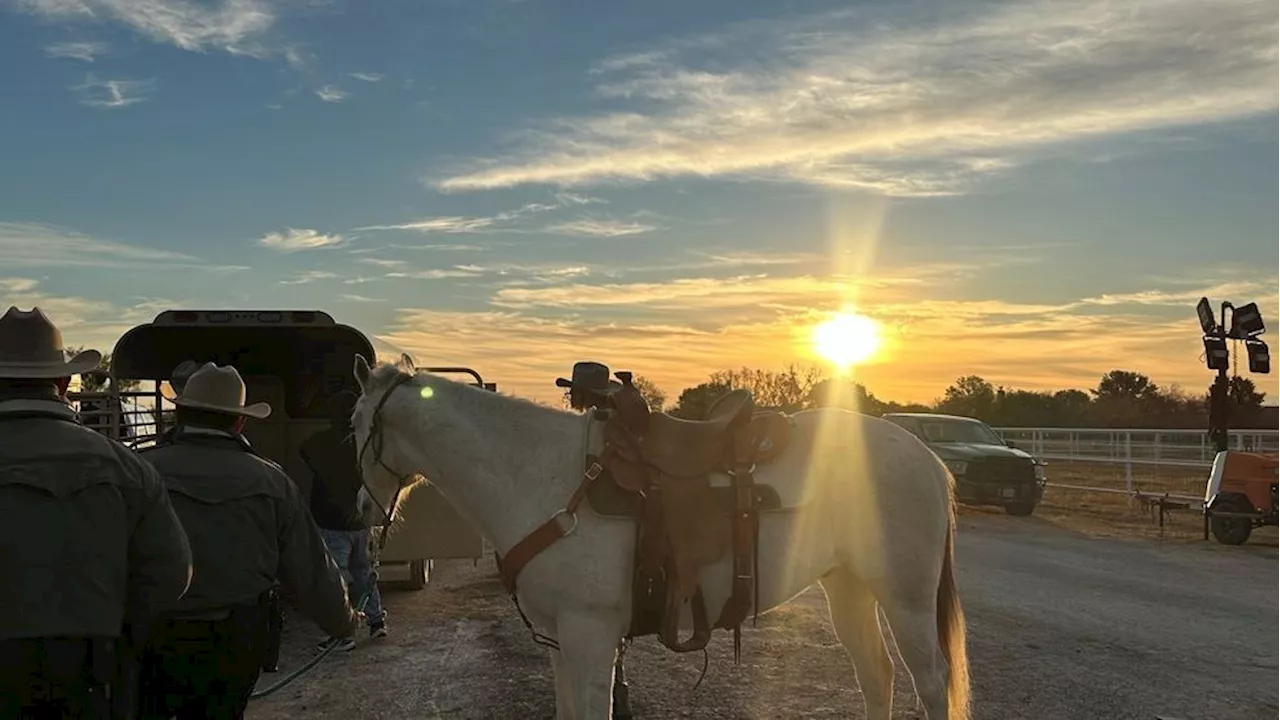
(951,630)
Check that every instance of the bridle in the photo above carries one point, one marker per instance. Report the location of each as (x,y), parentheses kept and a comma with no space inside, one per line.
(375,431)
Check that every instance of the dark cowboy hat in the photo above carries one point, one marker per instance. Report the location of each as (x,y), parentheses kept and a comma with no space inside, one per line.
(31,348)
(590,377)
(181,374)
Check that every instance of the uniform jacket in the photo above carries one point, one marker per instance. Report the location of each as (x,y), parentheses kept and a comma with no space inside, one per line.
(249,529)
(89,538)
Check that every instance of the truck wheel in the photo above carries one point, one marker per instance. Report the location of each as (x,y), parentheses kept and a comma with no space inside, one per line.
(417,575)
(1231,530)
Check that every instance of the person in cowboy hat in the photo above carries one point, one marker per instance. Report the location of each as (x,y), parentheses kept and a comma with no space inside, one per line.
(588,385)
(177,381)
(91,545)
(331,456)
(249,529)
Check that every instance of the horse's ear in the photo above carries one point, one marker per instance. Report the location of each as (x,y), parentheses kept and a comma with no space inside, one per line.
(361,371)
(406,362)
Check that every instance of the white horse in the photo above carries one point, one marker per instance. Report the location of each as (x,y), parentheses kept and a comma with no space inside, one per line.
(872,519)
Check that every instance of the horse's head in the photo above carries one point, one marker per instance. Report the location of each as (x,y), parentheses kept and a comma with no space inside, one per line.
(383,464)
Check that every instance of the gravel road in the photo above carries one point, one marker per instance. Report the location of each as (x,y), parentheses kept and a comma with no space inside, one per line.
(1061,625)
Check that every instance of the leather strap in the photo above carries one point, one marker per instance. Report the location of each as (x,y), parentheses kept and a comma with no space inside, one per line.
(546,534)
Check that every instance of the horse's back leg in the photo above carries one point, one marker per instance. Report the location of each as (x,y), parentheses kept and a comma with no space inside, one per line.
(914,621)
(853,613)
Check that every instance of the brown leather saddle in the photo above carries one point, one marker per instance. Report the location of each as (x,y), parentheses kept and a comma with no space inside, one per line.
(683,523)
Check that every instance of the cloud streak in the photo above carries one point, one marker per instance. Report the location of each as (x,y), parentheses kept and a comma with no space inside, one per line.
(50,246)
(84,51)
(593,227)
(294,240)
(331,94)
(231,25)
(112,93)
(895,101)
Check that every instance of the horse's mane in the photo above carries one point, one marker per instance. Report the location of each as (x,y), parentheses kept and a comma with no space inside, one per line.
(382,375)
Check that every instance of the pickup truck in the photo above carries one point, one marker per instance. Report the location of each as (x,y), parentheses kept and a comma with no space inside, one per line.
(988,470)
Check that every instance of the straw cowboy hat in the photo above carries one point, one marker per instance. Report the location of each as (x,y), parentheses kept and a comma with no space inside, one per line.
(220,390)
(31,348)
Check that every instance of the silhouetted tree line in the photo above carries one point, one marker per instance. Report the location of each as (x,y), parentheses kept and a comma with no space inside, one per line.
(1121,399)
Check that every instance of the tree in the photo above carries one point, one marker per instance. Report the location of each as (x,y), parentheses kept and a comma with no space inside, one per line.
(786,389)
(694,402)
(970,396)
(651,393)
(96,380)
(1127,384)
(834,392)
(1244,403)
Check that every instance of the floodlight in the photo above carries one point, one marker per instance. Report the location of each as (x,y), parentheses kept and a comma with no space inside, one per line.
(1246,322)
(1259,356)
(1207,322)
(1215,353)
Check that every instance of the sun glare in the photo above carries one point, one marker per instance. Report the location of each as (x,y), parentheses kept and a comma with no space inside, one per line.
(846,339)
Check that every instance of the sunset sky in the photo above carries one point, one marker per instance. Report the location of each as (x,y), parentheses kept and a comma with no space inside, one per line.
(1034,192)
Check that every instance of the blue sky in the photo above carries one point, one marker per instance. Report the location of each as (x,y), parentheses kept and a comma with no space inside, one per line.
(1036,192)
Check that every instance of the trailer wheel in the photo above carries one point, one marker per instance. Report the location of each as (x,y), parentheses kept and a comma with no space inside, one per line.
(1231,530)
(417,575)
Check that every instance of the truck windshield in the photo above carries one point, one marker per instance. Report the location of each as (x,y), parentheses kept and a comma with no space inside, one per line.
(959,431)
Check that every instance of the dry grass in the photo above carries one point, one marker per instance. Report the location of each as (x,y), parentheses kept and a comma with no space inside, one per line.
(1119,515)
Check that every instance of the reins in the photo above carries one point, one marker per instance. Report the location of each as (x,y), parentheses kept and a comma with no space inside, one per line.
(375,430)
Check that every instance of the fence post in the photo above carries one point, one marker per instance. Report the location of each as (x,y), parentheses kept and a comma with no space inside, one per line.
(1128,461)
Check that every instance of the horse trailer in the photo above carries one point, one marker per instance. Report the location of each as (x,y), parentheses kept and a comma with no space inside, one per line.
(295,360)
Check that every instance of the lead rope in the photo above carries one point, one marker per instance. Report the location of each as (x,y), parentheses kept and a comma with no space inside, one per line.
(307,666)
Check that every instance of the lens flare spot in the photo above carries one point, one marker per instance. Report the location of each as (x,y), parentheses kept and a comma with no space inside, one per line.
(426,393)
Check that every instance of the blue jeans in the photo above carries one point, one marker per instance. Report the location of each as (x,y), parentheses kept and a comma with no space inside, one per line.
(350,552)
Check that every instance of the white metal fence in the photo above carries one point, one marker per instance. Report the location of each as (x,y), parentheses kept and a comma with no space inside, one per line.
(1188,448)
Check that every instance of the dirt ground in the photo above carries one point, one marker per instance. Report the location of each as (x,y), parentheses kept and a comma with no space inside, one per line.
(1063,623)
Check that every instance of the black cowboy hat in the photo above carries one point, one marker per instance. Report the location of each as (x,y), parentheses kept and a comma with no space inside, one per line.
(590,377)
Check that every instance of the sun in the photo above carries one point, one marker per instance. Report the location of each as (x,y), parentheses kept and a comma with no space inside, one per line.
(846,339)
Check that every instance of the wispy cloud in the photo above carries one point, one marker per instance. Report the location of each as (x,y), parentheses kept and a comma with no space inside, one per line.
(594,227)
(293,240)
(40,245)
(904,98)
(309,276)
(367,76)
(517,220)
(86,51)
(84,321)
(331,94)
(435,274)
(112,93)
(445,225)
(382,262)
(233,25)
(359,298)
